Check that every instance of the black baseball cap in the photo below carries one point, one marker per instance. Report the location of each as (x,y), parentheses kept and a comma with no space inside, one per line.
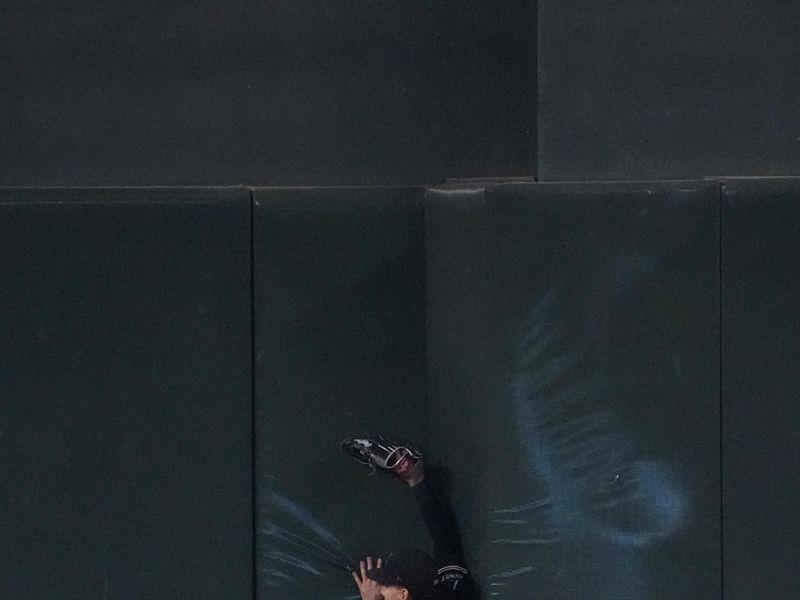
(411,568)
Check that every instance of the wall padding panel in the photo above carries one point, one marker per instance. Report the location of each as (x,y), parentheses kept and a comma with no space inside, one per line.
(574,381)
(125,394)
(340,351)
(761,376)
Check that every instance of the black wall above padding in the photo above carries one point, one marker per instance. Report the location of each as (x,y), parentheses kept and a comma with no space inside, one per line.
(340,352)
(265,93)
(573,343)
(125,394)
(651,90)
(761,379)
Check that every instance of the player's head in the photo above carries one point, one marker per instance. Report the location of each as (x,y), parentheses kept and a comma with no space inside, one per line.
(406,575)
(396,592)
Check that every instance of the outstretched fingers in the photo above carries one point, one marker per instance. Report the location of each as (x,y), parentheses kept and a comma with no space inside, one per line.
(364,567)
(369,589)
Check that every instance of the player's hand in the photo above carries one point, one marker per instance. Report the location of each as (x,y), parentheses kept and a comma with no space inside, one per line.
(368,588)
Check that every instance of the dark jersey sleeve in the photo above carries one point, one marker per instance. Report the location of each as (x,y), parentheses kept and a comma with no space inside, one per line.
(453,580)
